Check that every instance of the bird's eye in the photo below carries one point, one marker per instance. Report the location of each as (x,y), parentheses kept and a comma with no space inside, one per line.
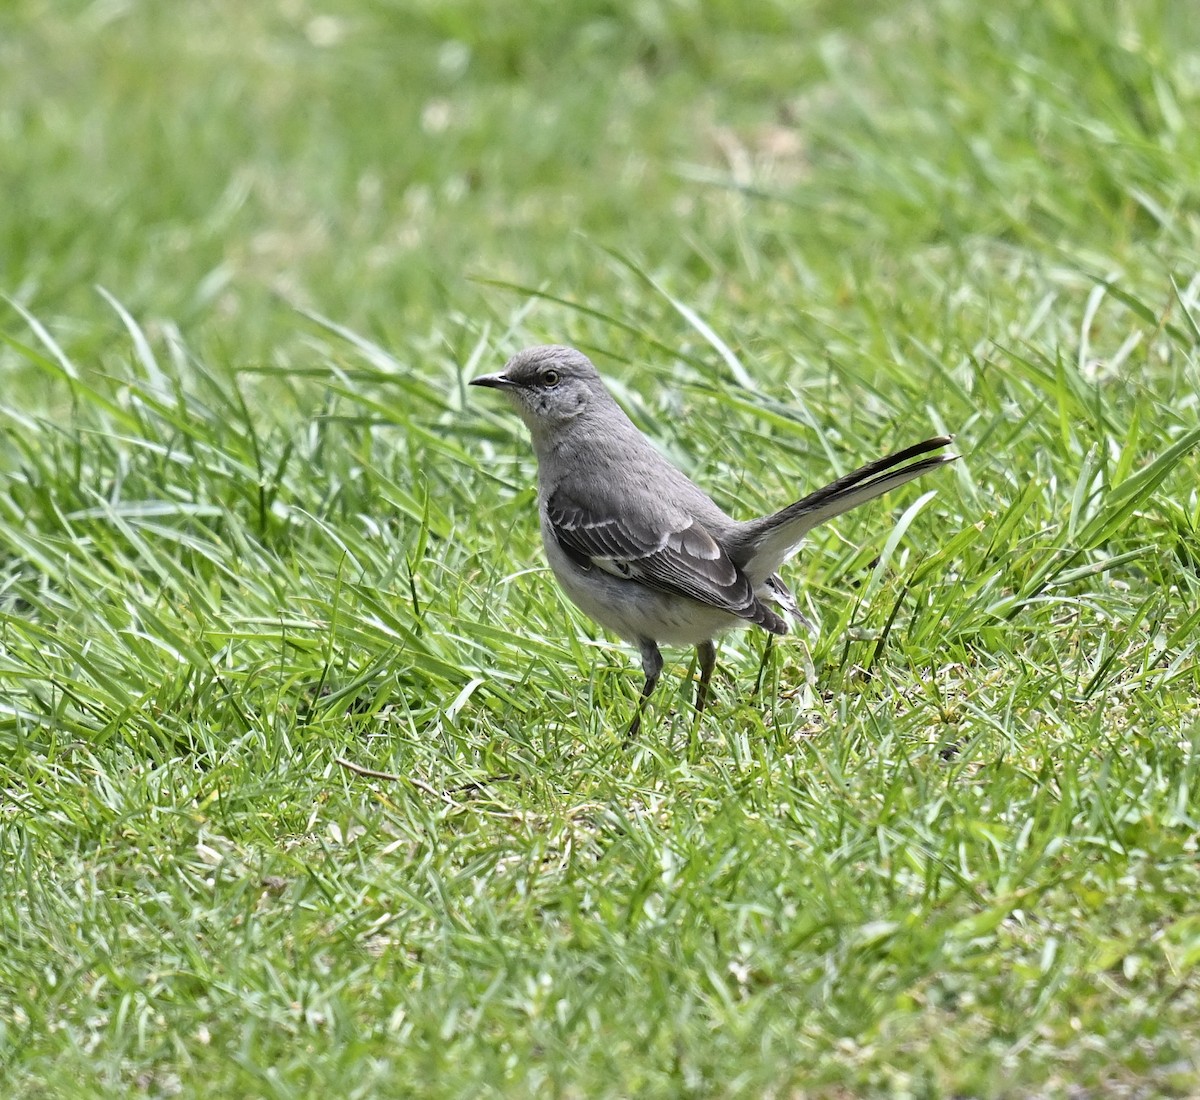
(550,378)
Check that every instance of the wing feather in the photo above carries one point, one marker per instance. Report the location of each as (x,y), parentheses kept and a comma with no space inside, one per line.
(683,559)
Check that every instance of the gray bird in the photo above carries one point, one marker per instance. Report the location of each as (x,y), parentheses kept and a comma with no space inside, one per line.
(636,545)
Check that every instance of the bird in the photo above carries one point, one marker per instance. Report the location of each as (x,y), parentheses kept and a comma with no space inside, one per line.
(640,548)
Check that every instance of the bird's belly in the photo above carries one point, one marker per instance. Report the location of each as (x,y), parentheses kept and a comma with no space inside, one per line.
(631,610)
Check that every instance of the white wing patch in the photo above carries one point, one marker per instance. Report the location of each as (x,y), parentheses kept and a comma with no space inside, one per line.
(615,566)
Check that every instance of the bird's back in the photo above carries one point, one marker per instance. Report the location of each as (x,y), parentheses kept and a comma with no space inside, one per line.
(608,461)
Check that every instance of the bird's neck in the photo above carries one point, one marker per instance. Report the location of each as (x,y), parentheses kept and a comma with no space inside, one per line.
(587,445)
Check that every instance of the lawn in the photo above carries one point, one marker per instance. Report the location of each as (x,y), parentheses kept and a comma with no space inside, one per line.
(311,782)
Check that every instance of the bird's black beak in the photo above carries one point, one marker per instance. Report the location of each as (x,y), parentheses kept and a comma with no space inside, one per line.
(492,381)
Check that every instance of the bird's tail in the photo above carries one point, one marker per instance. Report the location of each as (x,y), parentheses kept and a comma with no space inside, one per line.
(766,543)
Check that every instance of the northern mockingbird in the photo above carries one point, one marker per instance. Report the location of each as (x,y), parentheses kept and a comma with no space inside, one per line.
(636,545)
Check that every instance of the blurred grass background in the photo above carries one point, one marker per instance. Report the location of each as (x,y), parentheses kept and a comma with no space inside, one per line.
(251,525)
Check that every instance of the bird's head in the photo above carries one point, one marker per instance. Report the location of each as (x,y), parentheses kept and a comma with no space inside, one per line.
(548,386)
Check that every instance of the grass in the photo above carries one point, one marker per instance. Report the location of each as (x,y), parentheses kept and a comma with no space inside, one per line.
(252,525)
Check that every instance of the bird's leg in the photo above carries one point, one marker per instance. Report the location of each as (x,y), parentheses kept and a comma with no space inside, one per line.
(652,664)
(706,654)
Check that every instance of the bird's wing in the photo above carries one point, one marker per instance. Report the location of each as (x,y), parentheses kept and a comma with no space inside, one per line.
(674,554)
